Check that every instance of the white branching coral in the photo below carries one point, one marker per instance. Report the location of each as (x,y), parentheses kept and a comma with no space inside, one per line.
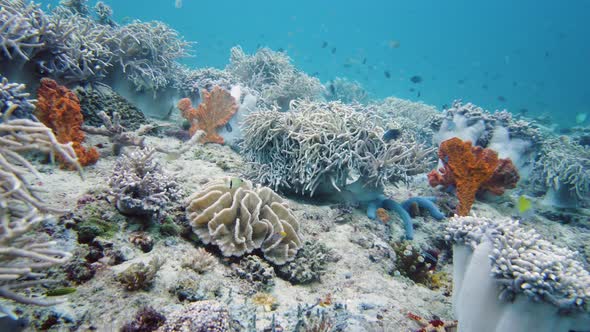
(327,145)
(23,257)
(273,76)
(521,262)
(140,185)
(239,218)
(21,29)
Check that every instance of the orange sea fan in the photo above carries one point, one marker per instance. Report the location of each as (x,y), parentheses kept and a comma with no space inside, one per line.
(59,109)
(215,110)
(471,169)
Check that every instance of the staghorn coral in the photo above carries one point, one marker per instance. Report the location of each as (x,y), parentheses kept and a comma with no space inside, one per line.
(238,218)
(471,169)
(273,76)
(59,109)
(521,262)
(22,25)
(563,168)
(14,100)
(76,6)
(346,91)
(326,147)
(210,316)
(140,185)
(147,51)
(215,110)
(104,14)
(117,134)
(256,271)
(25,255)
(191,81)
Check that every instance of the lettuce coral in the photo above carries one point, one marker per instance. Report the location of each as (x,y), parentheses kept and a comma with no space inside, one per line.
(59,109)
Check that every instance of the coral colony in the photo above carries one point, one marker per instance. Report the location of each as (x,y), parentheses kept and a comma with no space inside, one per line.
(289,224)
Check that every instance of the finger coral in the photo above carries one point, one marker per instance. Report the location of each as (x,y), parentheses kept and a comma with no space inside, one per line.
(59,109)
(238,218)
(471,169)
(217,107)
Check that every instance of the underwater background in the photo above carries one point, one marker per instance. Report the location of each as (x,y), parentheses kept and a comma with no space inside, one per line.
(524,56)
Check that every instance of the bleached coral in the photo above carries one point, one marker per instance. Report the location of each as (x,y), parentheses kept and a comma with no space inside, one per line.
(15,100)
(521,262)
(272,74)
(239,218)
(199,261)
(24,255)
(190,81)
(327,146)
(22,25)
(563,167)
(346,91)
(140,185)
(210,316)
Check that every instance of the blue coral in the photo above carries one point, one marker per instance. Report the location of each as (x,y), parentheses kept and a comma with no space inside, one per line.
(402,210)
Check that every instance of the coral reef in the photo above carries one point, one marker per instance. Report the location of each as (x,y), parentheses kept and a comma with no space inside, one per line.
(14,101)
(117,134)
(273,76)
(471,169)
(140,275)
(329,145)
(411,263)
(238,218)
(140,186)
(192,81)
(21,29)
(214,111)
(25,255)
(341,89)
(256,271)
(59,109)
(200,261)
(522,262)
(210,316)
(563,168)
(147,319)
(102,98)
(308,266)
(142,240)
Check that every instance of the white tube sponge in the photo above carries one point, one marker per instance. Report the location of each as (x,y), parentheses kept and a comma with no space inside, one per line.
(509,279)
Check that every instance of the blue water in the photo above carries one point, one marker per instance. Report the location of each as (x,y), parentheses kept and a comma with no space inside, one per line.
(534,54)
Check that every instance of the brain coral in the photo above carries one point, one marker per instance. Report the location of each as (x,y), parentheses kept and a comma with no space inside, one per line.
(238,218)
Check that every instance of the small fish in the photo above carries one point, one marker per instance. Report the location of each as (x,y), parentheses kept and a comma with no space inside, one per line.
(235,183)
(347,65)
(460,81)
(364,61)
(393,44)
(524,204)
(411,89)
(514,83)
(581,118)
(523,111)
(334,50)
(416,79)
(228,127)
(277,236)
(324,44)
(391,134)
(501,98)
(178,4)
(484,86)
(387,74)
(419,94)
(60,291)
(316,74)
(445,106)
(332,89)
(430,257)
(281,49)
(546,54)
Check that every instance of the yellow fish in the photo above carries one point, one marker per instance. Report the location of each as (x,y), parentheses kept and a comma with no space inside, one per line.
(235,183)
(524,204)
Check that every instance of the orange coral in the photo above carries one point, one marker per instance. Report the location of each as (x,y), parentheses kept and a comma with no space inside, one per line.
(215,110)
(471,169)
(383,215)
(59,109)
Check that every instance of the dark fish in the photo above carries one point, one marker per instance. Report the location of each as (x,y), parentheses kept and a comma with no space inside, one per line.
(347,65)
(484,86)
(445,106)
(416,79)
(364,61)
(281,49)
(460,81)
(418,94)
(332,89)
(391,134)
(501,98)
(258,46)
(412,89)
(431,257)
(514,83)
(523,111)
(387,74)
(315,74)
(334,50)
(228,127)
(325,44)
(546,54)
